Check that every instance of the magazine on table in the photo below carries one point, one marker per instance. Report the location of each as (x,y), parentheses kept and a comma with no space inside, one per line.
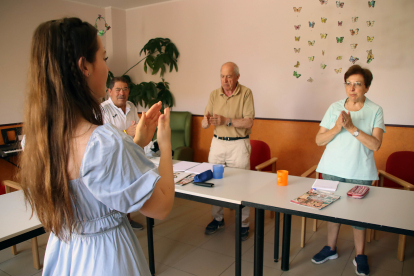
(182,178)
(317,199)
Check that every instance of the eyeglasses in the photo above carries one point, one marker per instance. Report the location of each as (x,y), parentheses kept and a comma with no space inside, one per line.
(125,89)
(350,84)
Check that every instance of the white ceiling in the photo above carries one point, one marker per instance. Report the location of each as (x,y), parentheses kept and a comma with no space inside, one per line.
(120,4)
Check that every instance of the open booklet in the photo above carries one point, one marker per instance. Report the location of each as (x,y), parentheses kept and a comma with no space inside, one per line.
(317,199)
(182,178)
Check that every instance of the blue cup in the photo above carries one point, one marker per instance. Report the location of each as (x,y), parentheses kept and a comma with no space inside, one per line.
(218,171)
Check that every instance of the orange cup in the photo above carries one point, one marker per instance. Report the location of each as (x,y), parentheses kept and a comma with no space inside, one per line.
(282,177)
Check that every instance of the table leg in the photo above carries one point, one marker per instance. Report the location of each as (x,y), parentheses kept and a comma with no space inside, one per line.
(276,245)
(35,253)
(258,242)
(150,223)
(287,221)
(238,240)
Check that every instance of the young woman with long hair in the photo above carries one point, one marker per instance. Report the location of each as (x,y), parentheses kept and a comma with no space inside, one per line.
(79,176)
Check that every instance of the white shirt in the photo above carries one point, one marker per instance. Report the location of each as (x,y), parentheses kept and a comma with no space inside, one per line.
(114,115)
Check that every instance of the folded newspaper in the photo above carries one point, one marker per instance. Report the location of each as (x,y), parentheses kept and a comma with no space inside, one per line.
(316,199)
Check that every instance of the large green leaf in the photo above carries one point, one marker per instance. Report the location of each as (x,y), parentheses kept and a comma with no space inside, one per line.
(160,53)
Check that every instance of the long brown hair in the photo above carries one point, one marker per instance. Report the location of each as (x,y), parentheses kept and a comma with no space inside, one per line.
(58,96)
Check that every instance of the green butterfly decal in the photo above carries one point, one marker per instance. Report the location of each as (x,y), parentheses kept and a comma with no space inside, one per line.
(323,66)
(295,74)
(371,4)
(339,39)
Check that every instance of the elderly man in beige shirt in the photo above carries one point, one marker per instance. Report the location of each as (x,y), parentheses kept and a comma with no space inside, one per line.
(230,110)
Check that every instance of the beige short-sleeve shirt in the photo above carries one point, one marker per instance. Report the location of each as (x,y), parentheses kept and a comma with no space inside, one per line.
(239,105)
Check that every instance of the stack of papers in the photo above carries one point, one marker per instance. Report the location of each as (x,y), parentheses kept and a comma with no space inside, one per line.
(326,185)
(200,168)
(183,166)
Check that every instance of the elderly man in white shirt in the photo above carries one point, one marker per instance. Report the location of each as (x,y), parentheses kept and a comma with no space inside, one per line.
(123,114)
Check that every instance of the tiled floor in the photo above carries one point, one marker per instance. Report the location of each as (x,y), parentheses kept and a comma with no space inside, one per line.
(182,249)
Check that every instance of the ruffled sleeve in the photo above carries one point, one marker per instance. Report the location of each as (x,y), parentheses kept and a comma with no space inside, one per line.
(116,171)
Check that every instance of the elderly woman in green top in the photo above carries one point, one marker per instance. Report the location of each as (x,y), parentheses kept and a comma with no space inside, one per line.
(352,130)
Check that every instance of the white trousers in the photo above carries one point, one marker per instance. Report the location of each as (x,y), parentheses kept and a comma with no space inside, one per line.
(233,154)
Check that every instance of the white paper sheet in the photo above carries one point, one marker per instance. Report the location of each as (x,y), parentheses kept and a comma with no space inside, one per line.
(326,185)
(201,168)
(183,166)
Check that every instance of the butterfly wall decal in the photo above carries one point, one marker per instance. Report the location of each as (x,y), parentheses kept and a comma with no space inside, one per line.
(354,32)
(353,46)
(297,27)
(370,55)
(339,58)
(297,64)
(311,43)
(323,19)
(339,39)
(370,38)
(338,70)
(370,23)
(323,36)
(323,52)
(311,25)
(340,23)
(297,38)
(371,4)
(297,9)
(353,59)
(295,74)
(312,58)
(297,50)
(323,2)
(355,19)
(323,66)
(310,80)
(340,4)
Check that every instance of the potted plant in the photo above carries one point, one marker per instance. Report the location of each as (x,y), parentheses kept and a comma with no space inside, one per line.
(159,54)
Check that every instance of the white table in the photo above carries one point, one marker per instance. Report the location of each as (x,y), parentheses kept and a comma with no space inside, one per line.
(15,220)
(389,210)
(228,192)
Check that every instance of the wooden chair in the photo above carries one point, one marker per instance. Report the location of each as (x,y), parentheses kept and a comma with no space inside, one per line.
(399,173)
(312,170)
(35,250)
(261,160)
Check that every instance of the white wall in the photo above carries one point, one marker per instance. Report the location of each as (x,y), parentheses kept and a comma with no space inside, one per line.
(18,20)
(116,40)
(259,37)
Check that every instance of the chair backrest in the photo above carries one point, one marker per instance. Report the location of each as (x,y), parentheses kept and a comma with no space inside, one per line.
(180,123)
(260,153)
(401,165)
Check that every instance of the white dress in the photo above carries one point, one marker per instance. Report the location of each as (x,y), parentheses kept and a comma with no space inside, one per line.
(115,179)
